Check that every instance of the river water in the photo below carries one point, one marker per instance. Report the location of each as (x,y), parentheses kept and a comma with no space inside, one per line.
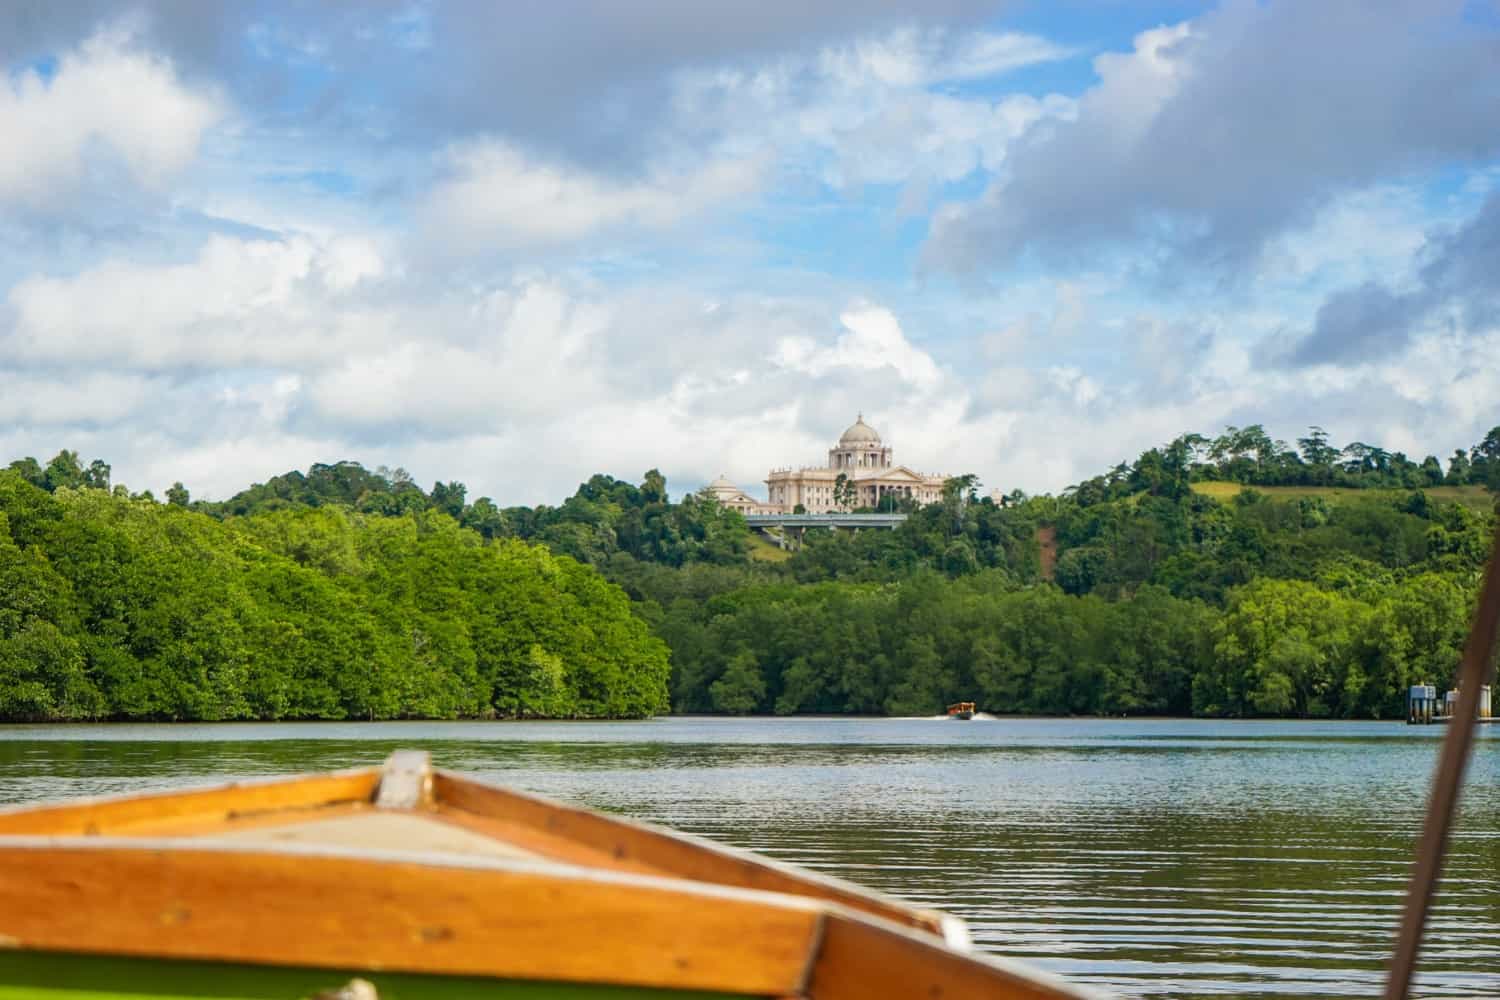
(1150,858)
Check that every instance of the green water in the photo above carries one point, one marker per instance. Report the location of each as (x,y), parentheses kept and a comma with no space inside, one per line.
(1153,859)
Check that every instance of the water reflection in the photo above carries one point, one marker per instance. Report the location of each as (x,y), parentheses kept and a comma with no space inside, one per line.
(1155,859)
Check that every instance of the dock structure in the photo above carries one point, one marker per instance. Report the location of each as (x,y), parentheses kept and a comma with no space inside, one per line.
(1424,707)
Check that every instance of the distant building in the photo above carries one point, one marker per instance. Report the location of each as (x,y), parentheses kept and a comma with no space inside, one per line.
(860,457)
(731,496)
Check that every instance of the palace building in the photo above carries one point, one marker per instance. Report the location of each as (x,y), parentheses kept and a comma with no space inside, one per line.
(864,462)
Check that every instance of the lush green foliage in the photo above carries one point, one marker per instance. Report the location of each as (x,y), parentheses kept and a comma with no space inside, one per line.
(119,607)
(912,647)
(348,593)
(1164,601)
(1249,456)
(1346,643)
(607,517)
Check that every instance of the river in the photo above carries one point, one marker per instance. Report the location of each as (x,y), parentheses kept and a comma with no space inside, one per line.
(1163,858)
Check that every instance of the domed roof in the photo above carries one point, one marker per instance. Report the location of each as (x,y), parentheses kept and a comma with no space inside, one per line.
(722,484)
(859,433)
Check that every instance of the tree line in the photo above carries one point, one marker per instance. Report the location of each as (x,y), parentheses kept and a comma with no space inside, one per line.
(1249,456)
(1259,606)
(346,592)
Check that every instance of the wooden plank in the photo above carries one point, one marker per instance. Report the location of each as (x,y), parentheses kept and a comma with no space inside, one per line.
(372,829)
(539,843)
(626,844)
(216,824)
(306,906)
(863,959)
(160,811)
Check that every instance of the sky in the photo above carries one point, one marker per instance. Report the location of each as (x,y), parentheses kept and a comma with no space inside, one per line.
(516,245)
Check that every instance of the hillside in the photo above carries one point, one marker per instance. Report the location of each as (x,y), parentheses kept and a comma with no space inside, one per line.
(1476,498)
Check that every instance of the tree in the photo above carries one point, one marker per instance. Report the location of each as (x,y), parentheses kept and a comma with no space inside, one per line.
(484,517)
(741,688)
(448,498)
(958,558)
(654,487)
(845,494)
(65,470)
(964,487)
(31,470)
(1485,461)
(177,495)
(1318,454)
(97,475)
(957,492)
(1489,449)
(1459,470)
(42,676)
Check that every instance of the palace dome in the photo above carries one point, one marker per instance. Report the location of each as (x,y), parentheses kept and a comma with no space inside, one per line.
(722,483)
(859,433)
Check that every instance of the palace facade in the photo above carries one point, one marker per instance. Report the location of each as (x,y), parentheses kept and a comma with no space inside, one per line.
(863,461)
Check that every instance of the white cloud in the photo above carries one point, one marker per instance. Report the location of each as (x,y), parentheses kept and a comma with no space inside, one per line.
(913,57)
(496,197)
(90,398)
(1374,231)
(104,94)
(873,110)
(518,355)
(238,302)
(872,339)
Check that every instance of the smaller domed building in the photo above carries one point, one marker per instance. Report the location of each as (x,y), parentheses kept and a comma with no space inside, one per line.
(731,496)
(863,460)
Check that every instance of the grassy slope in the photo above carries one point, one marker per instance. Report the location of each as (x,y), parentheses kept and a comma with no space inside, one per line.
(763,550)
(1474,497)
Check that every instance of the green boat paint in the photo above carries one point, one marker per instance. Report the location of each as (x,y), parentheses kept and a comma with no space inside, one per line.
(32,975)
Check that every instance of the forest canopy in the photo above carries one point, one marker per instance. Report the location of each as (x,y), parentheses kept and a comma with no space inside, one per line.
(120,607)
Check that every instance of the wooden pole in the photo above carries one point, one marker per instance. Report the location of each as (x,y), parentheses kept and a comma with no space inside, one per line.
(1443,804)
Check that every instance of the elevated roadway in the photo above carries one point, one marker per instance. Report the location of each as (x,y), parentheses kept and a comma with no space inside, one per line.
(824,520)
(787,530)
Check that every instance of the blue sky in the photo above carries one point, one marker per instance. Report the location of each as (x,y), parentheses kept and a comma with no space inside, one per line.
(519,247)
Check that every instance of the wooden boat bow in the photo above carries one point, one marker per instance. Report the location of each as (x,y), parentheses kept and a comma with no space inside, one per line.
(416,871)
